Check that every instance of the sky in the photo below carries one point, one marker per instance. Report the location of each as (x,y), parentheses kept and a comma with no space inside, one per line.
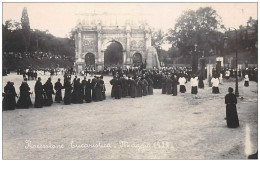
(60,18)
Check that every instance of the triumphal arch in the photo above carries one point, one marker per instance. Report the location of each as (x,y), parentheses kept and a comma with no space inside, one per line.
(94,32)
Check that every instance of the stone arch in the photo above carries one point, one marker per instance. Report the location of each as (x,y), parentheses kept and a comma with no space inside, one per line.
(90,59)
(106,43)
(113,53)
(137,59)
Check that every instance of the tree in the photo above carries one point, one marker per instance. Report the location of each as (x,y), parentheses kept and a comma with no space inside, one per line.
(196,27)
(25,28)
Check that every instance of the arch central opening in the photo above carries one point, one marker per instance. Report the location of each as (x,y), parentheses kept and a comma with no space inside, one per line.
(113,55)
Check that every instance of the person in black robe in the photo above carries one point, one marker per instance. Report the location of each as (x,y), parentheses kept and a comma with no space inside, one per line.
(133,85)
(48,92)
(129,85)
(201,83)
(168,85)
(68,89)
(124,86)
(78,92)
(24,101)
(174,85)
(84,83)
(9,102)
(98,89)
(139,87)
(150,86)
(163,83)
(88,89)
(93,82)
(112,82)
(231,109)
(38,89)
(118,88)
(145,87)
(58,87)
(103,88)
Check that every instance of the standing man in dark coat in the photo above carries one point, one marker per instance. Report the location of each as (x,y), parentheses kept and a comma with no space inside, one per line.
(150,86)
(129,85)
(84,84)
(163,83)
(68,89)
(112,82)
(48,89)
(133,85)
(145,86)
(168,85)
(103,88)
(9,102)
(124,86)
(174,85)
(139,87)
(93,82)
(58,87)
(88,89)
(38,89)
(201,83)
(98,89)
(118,88)
(24,101)
(78,92)
(231,109)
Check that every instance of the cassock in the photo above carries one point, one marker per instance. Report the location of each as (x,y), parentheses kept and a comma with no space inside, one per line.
(48,90)
(67,96)
(88,88)
(124,87)
(168,86)
(163,83)
(58,95)
(24,101)
(150,86)
(133,92)
(38,89)
(145,87)
(93,82)
(139,88)
(112,82)
(231,111)
(118,89)
(9,102)
(201,83)
(98,90)
(78,93)
(174,86)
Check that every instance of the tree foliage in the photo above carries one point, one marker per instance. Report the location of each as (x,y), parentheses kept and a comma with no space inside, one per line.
(13,40)
(196,27)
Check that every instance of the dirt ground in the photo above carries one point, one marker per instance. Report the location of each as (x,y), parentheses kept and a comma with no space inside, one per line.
(151,127)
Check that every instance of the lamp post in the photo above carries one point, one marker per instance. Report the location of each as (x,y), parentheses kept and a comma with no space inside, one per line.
(225,44)
(236,90)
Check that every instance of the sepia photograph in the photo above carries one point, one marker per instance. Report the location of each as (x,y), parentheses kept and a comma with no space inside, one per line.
(129,81)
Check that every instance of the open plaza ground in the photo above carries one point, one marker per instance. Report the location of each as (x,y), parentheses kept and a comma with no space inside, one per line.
(152,127)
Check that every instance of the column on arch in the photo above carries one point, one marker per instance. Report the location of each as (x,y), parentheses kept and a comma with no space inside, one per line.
(128,41)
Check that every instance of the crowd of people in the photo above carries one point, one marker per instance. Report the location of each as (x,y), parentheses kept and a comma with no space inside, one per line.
(75,92)
(140,83)
(36,55)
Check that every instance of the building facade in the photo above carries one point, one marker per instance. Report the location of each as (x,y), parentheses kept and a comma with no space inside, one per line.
(93,36)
